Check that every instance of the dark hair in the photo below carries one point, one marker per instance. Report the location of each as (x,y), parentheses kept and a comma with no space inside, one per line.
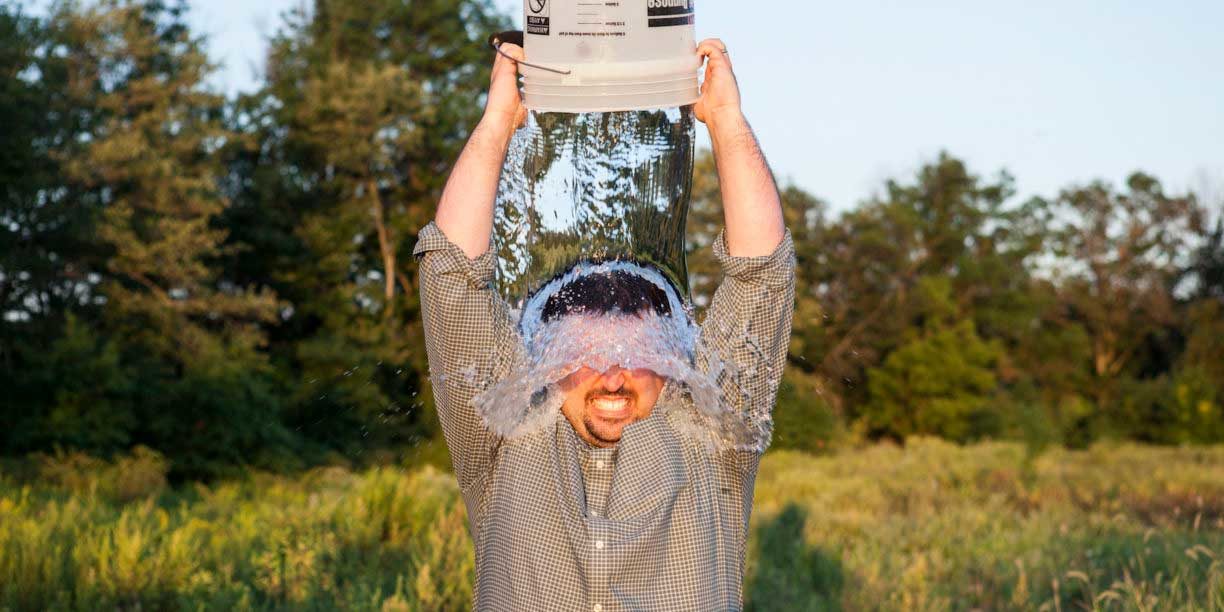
(604,293)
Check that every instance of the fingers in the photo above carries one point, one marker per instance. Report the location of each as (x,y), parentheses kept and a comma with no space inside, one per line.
(712,43)
(714,50)
(502,65)
(513,50)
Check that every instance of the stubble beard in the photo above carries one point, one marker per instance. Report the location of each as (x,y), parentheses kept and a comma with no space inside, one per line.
(603,431)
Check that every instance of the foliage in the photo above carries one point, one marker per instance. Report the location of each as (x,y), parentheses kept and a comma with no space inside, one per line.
(930,526)
(940,382)
(365,106)
(1121,256)
(205,276)
(87,393)
(803,421)
(229,281)
(935,526)
(101,535)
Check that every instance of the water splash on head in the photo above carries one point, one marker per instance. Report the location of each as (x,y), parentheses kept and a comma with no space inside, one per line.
(663,340)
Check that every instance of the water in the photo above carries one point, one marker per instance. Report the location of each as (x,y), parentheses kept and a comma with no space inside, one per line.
(594,186)
(608,192)
(528,399)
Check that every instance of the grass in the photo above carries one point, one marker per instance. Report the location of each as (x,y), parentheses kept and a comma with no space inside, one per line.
(931,526)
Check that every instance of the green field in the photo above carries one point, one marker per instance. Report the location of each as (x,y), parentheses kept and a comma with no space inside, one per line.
(930,526)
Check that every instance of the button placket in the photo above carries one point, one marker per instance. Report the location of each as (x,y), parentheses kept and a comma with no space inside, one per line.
(601,563)
(600,464)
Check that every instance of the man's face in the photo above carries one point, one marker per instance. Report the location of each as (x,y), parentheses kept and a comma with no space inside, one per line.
(600,405)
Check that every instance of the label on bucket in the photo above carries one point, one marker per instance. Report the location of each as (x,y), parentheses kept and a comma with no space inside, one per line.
(668,13)
(538,17)
(594,19)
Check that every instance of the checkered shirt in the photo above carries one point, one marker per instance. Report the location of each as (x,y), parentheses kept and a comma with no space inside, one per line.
(657,523)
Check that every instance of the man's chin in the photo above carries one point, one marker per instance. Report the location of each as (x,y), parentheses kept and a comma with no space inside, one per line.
(608,432)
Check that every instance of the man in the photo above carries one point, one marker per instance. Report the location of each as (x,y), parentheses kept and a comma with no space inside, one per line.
(610,501)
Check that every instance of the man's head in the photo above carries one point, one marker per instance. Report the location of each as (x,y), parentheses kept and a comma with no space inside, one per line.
(599,405)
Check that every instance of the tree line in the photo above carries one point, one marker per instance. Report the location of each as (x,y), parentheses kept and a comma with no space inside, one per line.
(229,280)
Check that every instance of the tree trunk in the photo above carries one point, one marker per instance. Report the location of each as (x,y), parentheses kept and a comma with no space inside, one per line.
(384,241)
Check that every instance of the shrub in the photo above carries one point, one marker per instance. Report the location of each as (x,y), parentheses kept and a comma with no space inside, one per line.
(138,475)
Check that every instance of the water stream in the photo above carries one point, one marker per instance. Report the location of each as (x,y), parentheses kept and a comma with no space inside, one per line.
(594,186)
(591,194)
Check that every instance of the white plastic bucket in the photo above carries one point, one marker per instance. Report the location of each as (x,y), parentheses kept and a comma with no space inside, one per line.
(620,55)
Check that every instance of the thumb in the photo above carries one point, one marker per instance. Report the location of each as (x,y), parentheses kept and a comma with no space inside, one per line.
(507,67)
(514,51)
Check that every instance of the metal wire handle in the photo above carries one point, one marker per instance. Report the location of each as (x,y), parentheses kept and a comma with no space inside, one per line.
(516,37)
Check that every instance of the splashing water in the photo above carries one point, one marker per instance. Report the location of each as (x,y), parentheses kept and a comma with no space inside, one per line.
(611,188)
(529,398)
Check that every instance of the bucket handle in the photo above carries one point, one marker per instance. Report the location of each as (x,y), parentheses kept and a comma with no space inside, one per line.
(515,37)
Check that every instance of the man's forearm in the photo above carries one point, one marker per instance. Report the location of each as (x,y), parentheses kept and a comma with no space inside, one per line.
(465,212)
(752,209)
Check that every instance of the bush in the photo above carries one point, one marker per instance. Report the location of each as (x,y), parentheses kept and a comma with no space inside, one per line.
(138,475)
(941,383)
(802,419)
(75,394)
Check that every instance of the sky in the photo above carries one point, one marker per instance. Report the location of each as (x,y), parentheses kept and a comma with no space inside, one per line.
(846,95)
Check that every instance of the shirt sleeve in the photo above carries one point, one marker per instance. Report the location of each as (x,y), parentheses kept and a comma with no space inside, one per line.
(470,340)
(748,327)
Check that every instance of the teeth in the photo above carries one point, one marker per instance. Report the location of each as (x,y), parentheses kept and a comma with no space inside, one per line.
(611,405)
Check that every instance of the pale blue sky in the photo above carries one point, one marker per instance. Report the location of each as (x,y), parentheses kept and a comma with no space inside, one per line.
(844,95)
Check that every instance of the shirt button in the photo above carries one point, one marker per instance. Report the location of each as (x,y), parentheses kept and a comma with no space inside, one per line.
(600,464)
(599,544)
(597,607)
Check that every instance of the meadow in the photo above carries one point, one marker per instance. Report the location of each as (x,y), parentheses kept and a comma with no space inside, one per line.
(931,526)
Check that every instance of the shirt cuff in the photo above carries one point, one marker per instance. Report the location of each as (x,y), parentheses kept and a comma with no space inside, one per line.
(450,259)
(776,270)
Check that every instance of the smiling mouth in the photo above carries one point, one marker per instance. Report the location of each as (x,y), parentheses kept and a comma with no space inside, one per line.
(610,408)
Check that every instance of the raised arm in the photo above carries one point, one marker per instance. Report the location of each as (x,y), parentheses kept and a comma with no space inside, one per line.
(751,206)
(748,324)
(470,338)
(465,212)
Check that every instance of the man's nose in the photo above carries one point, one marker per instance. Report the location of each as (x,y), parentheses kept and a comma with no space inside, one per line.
(613,379)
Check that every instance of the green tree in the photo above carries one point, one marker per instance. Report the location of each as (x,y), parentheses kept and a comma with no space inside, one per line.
(941,380)
(1120,255)
(49,256)
(365,107)
(1195,399)
(944,224)
(80,395)
(1207,267)
(151,163)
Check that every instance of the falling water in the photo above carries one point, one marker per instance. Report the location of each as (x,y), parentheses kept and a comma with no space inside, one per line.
(594,186)
(589,194)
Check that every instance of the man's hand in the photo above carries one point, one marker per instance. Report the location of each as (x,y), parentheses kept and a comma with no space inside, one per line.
(504,107)
(720,96)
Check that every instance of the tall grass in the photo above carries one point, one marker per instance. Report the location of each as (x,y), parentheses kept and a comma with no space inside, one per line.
(936,526)
(328,539)
(930,526)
